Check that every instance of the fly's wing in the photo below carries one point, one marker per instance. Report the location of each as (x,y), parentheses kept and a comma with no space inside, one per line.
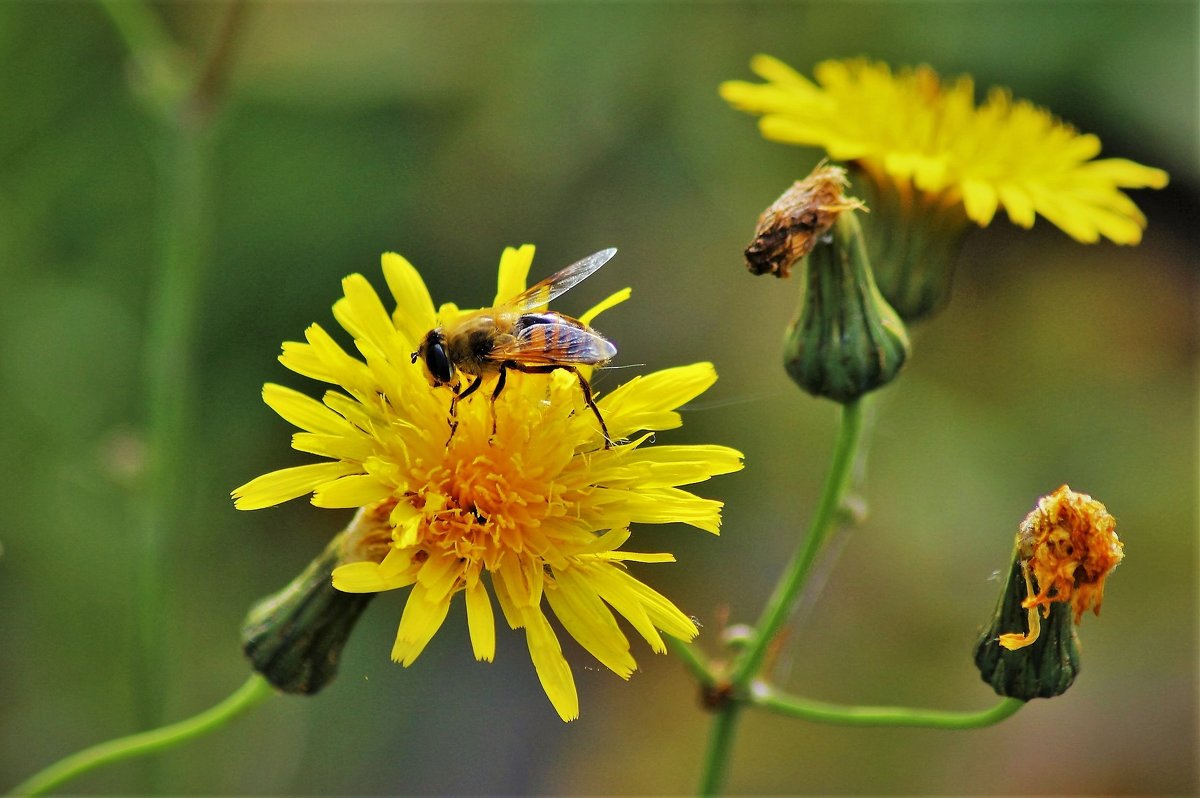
(557,284)
(549,342)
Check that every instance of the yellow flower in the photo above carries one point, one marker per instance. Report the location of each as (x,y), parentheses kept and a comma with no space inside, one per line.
(540,510)
(912,131)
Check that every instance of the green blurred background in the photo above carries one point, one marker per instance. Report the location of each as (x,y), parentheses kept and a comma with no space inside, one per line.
(446,132)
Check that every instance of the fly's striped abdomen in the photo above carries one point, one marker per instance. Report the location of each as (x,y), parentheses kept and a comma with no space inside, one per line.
(553,338)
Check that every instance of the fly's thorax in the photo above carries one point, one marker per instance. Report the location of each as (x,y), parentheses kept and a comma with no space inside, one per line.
(470,343)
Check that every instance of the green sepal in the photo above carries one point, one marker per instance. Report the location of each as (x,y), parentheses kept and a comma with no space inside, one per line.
(846,339)
(913,241)
(1044,669)
(295,637)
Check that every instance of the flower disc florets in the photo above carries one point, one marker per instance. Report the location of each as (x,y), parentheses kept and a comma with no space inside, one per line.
(538,510)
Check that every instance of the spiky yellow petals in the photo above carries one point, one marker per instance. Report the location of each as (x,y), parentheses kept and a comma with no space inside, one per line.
(533,514)
(910,129)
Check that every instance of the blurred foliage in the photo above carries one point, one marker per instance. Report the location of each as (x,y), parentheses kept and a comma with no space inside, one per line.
(447,131)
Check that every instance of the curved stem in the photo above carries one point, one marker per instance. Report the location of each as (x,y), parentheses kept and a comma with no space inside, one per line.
(250,694)
(822,712)
(776,612)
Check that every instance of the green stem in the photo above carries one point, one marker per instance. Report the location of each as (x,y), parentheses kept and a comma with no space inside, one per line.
(249,695)
(775,614)
(822,712)
(779,606)
(183,102)
(169,391)
(162,76)
(720,745)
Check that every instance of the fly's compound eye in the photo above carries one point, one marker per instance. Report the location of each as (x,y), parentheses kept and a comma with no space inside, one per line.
(438,362)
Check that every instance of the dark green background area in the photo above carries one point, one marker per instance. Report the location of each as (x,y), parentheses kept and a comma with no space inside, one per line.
(447,131)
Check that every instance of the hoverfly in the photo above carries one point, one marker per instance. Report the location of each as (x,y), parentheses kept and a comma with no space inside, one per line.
(519,334)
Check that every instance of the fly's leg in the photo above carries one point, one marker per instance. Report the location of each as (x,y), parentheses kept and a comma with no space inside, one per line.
(583,386)
(587,397)
(454,405)
(496,395)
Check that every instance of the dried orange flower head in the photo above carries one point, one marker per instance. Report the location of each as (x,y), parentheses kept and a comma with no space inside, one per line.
(1069,544)
(794,223)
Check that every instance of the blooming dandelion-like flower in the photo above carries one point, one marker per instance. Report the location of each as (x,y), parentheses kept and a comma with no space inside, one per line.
(910,127)
(934,159)
(534,514)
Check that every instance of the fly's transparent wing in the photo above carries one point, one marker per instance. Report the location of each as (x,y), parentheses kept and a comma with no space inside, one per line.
(557,284)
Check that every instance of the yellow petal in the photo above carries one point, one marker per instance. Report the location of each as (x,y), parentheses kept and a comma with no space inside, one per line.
(439,575)
(357,490)
(635,556)
(512,613)
(362,314)
(406,535)
(1126,173)
(603,577)
(303,411)
(648,402)
(980,200)
(646,608)
(420,622)
(552,669)
(481,622)
(414,315)
(772,69)
(513,273)
(606,304)
(303,359)
(663,466)
(658,506)
(1017,204)
(587,619)
(288,483)
(335,447)
(346,371)
(367,577)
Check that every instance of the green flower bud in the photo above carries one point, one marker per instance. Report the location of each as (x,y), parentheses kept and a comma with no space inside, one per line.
(1063,553)
(1044,668)
(847,340)
(295,637)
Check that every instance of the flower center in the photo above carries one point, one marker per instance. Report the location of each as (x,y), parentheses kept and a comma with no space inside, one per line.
(483,506)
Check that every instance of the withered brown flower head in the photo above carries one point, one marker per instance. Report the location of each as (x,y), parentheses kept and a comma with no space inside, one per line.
(1071,544)
(794,223)
(1067,546)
